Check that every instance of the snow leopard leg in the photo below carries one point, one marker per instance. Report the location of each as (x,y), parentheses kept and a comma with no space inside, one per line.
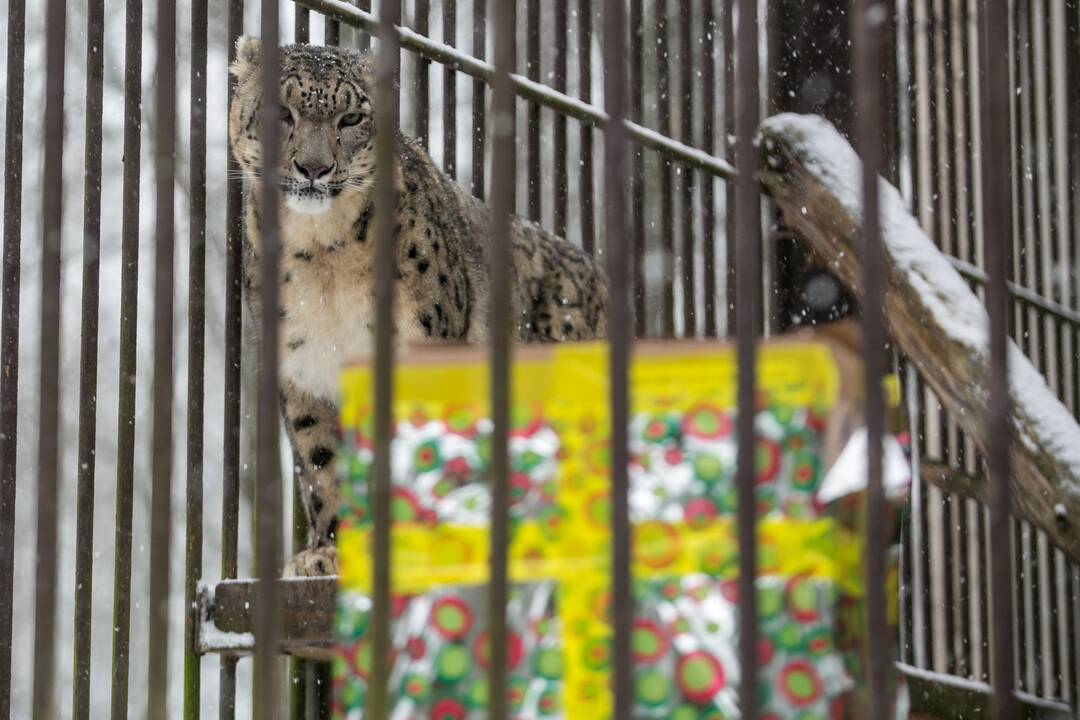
(312,426)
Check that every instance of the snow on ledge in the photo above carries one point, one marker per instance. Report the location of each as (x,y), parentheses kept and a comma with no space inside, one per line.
(956,309)
(211,639)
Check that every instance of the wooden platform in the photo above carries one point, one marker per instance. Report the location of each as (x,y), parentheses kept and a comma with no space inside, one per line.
(226,616)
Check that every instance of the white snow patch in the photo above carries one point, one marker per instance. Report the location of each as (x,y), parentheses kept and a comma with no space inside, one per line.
(212,639)
(956,310)
(848,475)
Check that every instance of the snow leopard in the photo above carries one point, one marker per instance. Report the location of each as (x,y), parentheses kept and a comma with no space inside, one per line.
(442,249)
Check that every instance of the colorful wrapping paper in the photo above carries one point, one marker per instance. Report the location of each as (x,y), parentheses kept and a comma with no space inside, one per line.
(682,504)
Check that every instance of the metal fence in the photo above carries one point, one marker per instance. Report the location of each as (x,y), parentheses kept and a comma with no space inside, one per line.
(684,257)
(946,74)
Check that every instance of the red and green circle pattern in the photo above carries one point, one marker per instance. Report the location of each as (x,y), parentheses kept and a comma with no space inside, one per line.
(677,673)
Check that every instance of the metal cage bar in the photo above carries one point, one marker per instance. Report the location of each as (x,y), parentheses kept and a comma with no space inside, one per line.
(193,558)
(620,338)
(532,71)
(503,193)
(867,67)
(667,205)
(585,178)
(385,265)
(129,292)
(479,50)
(748,322)
(45,591)
(560,189)
(268,514)
(9,332)
(162,390)
(88,360)
(688,259)
(450,98)
(421,109)
(996,181)
(230,454)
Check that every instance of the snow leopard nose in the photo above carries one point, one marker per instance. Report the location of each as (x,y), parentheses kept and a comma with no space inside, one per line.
(314,171)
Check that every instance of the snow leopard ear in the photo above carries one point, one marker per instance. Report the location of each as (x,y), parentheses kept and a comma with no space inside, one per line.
(248,55)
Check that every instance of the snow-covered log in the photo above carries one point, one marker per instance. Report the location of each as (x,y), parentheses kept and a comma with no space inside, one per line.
(814,176)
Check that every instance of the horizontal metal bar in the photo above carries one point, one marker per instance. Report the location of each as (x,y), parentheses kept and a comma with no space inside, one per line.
(1019,292)
(524,87)
(957,697)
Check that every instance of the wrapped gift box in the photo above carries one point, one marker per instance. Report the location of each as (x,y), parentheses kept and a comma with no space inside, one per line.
(682,502)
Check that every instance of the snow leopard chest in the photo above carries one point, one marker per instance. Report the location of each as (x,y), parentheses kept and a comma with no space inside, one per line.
(326,321)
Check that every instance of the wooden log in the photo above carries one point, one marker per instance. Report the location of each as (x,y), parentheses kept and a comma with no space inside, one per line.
(814,176)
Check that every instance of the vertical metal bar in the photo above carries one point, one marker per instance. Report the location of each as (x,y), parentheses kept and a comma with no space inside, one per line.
(268,519)
(44,687)
(9,333)
(363,40)
(197,348)
(708,144)
(88,360)
(924,165)
(129,293)
(1016,546)
(944,213)
(975,556)
(868,26)
(502,200)
(1064,673)
(620,338)
(585,191)
(748,320)
(1026,255)
(421,108)
(996,177)
(562,31)
(730,230)
(975,129)
(903,82)
(1059,83)
(162,391)
(637,166)
(976,572)
(1027,602)
(302,25)
(301,670)
(385,269)
(686,184)
(230,465)
(1074,613)
(663,122)
(918,568)
(450,92)
(961,148)
(478,115)
(1046,645)
(331,32)
(532,69)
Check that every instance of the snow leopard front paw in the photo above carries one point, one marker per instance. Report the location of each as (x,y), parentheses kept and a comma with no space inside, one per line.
(313,562)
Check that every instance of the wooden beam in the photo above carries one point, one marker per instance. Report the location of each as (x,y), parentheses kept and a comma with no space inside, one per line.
(938,323)
(227,616)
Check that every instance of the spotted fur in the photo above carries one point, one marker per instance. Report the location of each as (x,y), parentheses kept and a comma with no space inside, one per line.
(327,234)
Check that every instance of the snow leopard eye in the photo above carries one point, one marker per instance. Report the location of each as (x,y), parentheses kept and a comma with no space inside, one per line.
(351,119)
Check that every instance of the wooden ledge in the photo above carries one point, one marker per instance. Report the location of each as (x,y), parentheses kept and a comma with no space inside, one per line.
(225,616)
